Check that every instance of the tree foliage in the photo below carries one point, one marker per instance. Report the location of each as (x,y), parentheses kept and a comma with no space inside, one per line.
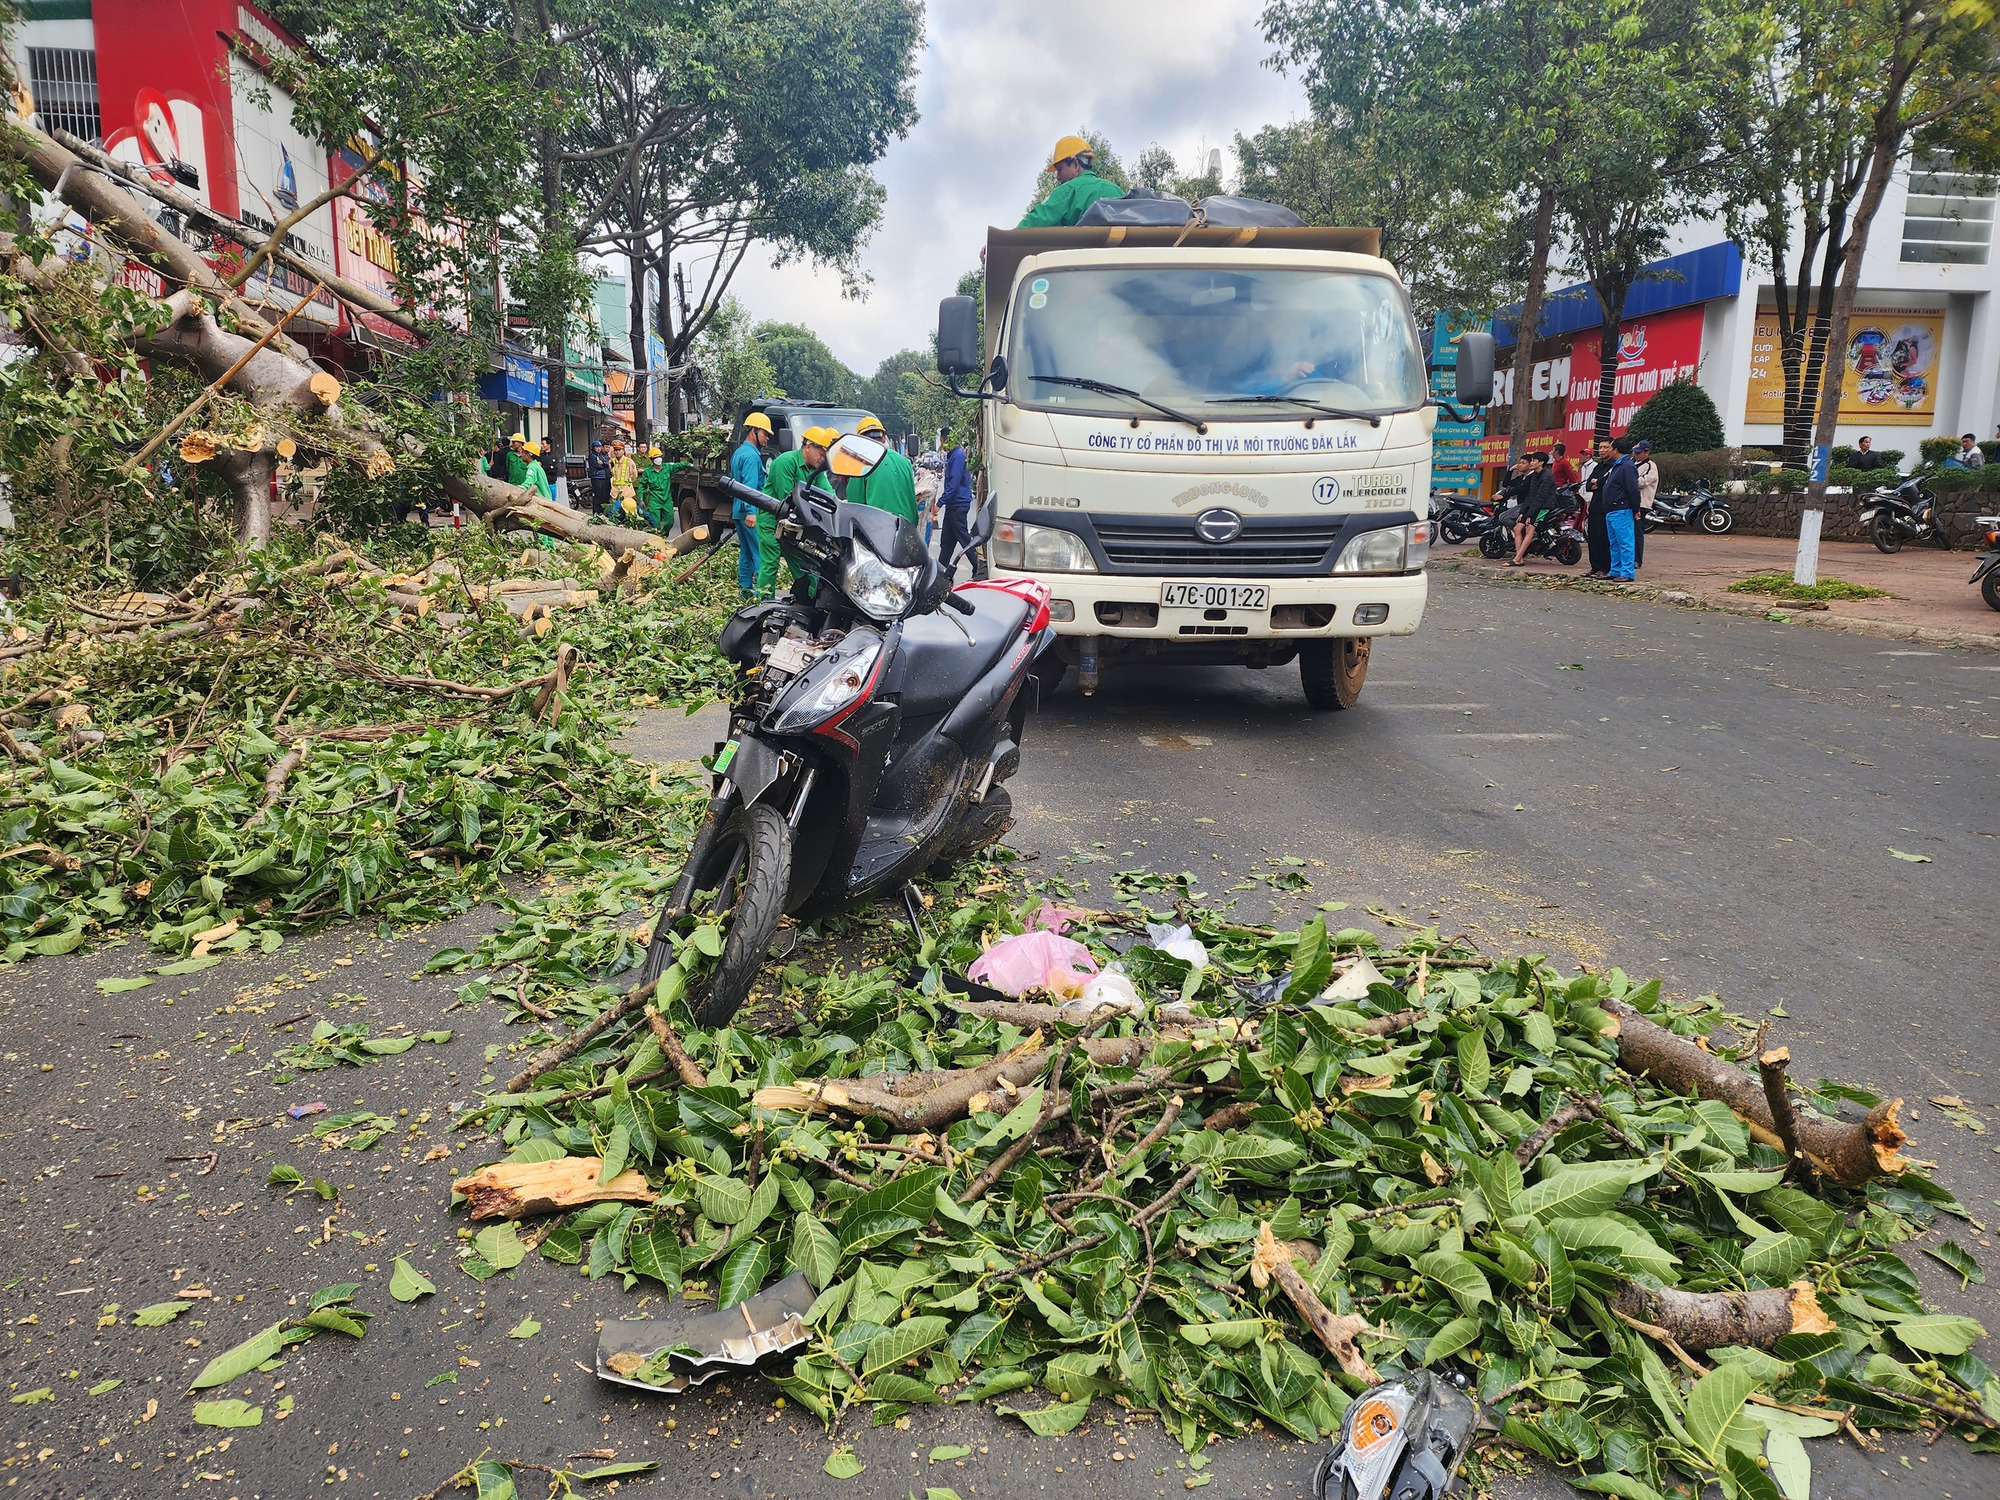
(1679,418)
(803,367)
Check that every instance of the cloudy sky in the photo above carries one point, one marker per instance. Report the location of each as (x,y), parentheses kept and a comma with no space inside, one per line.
(1001,80)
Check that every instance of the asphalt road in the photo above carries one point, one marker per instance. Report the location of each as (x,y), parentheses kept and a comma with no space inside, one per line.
(1707,799)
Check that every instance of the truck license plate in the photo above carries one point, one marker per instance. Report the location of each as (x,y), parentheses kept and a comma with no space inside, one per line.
(1214,596)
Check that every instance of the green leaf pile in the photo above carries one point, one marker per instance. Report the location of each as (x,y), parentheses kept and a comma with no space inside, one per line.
(1382,1151)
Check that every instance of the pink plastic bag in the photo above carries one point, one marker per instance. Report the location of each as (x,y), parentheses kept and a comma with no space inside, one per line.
(1035,961)
(1054,918)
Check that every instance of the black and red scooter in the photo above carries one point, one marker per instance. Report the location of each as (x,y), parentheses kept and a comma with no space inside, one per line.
(877,714)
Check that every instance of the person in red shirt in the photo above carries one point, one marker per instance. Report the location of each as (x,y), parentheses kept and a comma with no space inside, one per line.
(1562,471)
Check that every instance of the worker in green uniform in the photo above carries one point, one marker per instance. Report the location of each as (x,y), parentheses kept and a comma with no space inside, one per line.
(891,485)
(656,492)
(1077,185)
(807,462)
(515,468)
(533,475)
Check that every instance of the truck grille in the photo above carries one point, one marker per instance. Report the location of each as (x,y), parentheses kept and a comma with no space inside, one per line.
(1267,548)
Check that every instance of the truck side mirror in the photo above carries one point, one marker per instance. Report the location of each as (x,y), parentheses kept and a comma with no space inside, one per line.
(958,351)
(1475,369)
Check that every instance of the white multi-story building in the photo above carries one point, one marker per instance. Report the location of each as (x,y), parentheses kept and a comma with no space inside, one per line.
(1923,349)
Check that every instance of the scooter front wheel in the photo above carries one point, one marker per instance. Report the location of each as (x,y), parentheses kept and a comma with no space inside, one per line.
(1882,531)
(741,888)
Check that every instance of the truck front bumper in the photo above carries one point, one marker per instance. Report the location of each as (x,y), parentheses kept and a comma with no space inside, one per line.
(1297,609)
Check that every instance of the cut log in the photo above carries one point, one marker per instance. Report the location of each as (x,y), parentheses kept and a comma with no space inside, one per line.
(1852,1154)
(1716,1320)
(1273,1262)
(518,1189)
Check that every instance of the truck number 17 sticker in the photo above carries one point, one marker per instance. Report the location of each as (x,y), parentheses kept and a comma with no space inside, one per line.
(1326,489)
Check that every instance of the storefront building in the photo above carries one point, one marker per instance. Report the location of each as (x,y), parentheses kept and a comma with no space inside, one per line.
(1923,346)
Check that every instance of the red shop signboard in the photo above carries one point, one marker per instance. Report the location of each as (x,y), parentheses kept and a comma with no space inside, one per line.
(1652,351)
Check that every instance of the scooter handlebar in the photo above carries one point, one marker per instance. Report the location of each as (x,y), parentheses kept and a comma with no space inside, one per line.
(960,603)
(748,496)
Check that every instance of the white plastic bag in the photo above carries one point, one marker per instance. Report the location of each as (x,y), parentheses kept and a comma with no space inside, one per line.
(1178,942)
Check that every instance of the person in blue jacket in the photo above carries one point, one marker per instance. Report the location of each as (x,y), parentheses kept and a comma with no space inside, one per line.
(747,465)
(1618,497)
(955,500)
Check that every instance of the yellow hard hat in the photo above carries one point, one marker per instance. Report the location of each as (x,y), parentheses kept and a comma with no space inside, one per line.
(652,453)
(819,436)
(519,437)
(757,420)
(1068,146)
(870,424)
(534,448)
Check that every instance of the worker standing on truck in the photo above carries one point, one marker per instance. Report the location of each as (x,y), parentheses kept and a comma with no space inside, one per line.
(1077,185)
(656,491)
(746,466)
(891,485)
(806,462)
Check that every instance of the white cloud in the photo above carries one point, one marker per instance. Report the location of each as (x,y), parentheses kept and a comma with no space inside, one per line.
(1000,83)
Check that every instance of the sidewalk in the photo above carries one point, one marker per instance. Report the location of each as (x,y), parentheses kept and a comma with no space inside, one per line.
(1929,598)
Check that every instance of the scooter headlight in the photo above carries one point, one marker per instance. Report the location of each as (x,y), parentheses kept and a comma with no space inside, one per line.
(878,590)
(838,680)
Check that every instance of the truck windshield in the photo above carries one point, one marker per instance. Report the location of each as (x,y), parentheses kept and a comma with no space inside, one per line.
(1201,339)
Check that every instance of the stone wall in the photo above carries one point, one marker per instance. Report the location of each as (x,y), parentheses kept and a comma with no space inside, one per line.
(1778,515)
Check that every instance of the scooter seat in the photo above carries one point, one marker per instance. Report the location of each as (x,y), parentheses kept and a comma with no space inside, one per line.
(936,665)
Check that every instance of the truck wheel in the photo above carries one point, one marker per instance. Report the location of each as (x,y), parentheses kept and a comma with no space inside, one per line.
(1333,671)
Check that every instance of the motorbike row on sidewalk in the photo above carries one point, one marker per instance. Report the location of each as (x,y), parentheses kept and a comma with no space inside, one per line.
(1906,511)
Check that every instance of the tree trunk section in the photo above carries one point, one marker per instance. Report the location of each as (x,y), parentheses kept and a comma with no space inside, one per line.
(249,476)
(1851,1154)
(1718,1320)
(1531,317)
(518,1189)
(642,389)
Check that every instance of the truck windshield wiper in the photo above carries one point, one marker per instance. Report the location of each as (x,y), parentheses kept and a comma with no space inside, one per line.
(1105,387)
(1330,411)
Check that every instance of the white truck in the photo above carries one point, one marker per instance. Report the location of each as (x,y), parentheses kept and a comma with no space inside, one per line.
(1212,444)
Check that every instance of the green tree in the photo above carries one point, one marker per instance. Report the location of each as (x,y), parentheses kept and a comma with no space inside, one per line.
(736,123)
(1836,95)
(1678,418)
(1157,169)
(928,404)
(730,367)
(803,367)
(882,392)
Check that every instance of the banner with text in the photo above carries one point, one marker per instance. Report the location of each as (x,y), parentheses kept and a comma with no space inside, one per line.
(1652,352)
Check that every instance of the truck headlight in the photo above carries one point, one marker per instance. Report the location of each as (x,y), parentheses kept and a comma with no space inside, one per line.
(1040,549)
(1393,549)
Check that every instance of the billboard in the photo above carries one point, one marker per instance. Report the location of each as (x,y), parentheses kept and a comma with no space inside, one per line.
(1652,351)
(362,252)
(1889,377)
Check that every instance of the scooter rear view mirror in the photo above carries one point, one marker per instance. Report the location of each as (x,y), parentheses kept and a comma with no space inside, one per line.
(854,456)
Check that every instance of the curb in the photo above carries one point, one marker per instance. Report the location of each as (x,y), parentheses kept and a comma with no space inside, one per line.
(1888,630)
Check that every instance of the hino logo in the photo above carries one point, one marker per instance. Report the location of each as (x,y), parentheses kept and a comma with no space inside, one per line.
(1218,526)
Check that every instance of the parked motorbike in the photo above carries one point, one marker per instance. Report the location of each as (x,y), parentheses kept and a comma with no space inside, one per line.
(877,713)
(1905,512)
(1701,507)
(1987,572)
(1458,518)
(1556,535)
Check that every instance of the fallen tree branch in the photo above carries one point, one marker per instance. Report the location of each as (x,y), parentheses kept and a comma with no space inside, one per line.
(1144,1216)
(518,1189)
(1273,1262)
(1716,1320)
(1852,1154)
(579,1039)
(934,1100)
(275,779)
(1772,1065)
(670,1044)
